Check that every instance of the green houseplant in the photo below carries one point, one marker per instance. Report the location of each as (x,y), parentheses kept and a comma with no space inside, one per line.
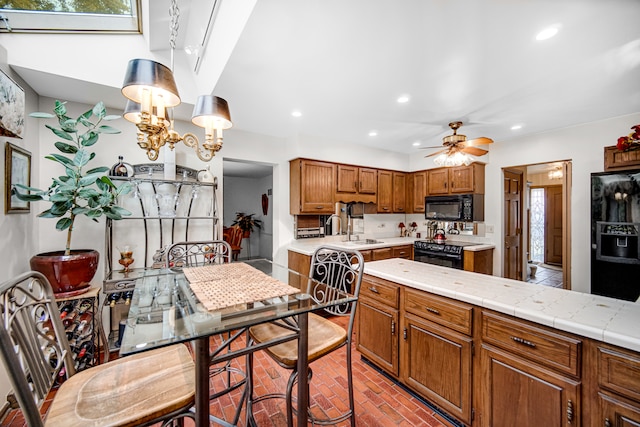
(246,223)
(77,192)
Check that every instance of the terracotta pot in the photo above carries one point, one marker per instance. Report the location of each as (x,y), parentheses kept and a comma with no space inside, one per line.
(69,275)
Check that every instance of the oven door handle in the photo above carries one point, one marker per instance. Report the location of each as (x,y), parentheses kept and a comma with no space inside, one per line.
(437,255)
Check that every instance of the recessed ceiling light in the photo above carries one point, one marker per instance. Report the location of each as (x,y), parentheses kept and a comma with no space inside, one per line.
(548,32)
(416,144)
(403,99)
(373,133)
(516,127)
(296,113)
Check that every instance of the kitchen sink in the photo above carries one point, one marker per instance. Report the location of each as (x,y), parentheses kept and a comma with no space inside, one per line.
(363,242)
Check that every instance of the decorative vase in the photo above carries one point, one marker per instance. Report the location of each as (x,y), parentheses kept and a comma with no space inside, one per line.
(69,275)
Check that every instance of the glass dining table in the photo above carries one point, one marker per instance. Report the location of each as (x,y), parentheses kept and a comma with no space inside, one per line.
(171,307)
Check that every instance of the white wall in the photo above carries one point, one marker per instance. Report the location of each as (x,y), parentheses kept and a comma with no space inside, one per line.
(18,231)
(584,146)
(245,195)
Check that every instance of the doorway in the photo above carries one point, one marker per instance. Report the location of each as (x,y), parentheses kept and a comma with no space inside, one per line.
(248,188)
(536,223)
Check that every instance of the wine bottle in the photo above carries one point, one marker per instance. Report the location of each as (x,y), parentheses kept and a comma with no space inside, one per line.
(113,298)
(70,318)
(127,297)
(84,322)
(84,306)
(66,309)
(85,347)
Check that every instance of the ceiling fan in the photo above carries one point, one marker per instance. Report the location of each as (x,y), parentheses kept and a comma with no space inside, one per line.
(456,143)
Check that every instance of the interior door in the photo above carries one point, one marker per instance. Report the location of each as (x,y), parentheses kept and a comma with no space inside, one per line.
(512,263)
(553,225)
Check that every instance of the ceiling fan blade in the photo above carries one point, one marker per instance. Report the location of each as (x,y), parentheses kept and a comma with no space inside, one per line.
(433,146)
(478,141)
(436,153)
(474,151)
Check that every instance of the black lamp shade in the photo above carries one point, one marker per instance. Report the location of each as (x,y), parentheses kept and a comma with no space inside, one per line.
(143,73)
(132,112)
(211,108)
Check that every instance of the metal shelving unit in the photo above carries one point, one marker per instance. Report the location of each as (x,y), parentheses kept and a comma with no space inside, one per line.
(164,211)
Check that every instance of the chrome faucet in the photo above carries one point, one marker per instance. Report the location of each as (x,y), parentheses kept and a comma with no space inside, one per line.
(330,220)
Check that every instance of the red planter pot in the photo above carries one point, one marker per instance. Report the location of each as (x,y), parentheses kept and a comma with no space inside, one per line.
(69,275)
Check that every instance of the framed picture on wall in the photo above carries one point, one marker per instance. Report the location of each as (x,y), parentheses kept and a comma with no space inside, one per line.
(11,107)
(17,170)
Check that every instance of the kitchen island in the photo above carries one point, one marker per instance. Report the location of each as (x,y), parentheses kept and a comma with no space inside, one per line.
(478,257)
(494,351)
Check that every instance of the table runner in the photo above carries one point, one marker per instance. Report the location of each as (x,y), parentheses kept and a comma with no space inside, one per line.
(219,286)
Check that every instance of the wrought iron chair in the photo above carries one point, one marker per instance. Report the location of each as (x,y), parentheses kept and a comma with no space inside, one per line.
(333,271)
(193,254)
(201,253)
(137,390)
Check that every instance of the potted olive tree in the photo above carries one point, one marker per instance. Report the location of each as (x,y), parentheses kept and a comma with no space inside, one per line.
(77,192)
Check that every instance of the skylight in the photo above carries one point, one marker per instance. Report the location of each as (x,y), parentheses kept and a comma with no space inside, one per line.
(56,16)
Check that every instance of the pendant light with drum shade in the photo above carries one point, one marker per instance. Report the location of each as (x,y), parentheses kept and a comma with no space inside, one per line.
(152,93)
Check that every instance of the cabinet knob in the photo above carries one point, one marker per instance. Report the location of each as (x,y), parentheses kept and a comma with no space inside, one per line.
(393,328)
(432,310)
(374,290)
(607,422)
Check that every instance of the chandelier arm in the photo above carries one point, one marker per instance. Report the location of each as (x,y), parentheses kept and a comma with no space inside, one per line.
(205,154)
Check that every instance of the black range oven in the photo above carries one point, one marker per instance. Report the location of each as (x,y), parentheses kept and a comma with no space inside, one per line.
(445,254)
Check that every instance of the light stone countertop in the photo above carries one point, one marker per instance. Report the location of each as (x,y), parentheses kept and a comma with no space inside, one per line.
(605,319)
(308,246)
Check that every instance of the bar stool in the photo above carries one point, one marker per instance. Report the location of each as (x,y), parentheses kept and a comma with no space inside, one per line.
(333,271)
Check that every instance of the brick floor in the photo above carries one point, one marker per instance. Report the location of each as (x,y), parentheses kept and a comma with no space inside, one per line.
(379,401)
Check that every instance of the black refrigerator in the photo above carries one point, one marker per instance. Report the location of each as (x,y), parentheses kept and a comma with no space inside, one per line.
(615,222)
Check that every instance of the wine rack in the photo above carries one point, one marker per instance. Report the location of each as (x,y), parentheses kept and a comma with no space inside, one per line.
(81,320)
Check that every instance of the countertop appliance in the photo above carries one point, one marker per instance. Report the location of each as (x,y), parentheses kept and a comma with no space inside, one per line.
(449,254)
(615,227)
(455,207)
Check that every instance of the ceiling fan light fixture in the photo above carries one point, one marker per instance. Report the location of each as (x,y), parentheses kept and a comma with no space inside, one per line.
(453,159)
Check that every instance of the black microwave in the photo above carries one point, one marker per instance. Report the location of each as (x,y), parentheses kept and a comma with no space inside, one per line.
(458,207)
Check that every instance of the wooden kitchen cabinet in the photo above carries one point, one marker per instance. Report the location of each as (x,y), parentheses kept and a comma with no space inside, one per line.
(312,187)
(378,326)
(356,184)
(539,366)
(385,191)
(404,252)
(516,392)
(417,192)
(456,180)
(618,389)
(399,192)
(436,340)
(478,261)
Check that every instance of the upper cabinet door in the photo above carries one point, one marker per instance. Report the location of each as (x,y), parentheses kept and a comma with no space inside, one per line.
(312,187)
(418,191)
(385,191)
(368,180)
(399,192)
(347,179)
(438,181)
